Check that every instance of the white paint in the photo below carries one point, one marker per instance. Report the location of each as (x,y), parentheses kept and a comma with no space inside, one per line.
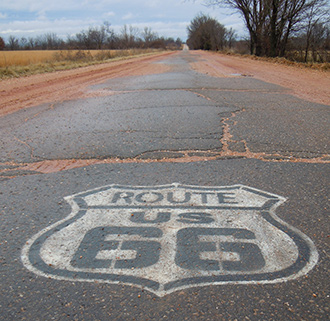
(224,208)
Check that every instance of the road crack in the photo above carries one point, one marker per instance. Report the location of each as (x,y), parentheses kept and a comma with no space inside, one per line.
(41,112)
(27,145)
(162,156)
(12,169)
(227,141)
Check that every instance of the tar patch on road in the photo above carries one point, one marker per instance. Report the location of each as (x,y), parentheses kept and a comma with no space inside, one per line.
(171,237)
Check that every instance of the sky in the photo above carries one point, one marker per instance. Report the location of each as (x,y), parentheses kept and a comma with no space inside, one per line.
(168,18)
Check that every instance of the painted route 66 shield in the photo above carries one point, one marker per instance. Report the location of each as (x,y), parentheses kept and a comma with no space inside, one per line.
(166,238)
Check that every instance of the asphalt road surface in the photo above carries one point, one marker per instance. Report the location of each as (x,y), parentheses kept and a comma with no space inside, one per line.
(205,199)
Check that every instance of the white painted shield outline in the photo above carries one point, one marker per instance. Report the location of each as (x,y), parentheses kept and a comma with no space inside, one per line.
(306,260)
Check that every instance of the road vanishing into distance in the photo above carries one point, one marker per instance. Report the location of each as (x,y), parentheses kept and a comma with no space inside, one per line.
(165,194)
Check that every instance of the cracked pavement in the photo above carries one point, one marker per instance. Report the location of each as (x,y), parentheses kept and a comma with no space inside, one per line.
(166,116)
(176,126)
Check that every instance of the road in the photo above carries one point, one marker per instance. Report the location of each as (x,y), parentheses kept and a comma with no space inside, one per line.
(164,193)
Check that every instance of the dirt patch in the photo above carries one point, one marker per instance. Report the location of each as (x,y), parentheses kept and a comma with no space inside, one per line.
(19,93)
(309,84)
(53,166)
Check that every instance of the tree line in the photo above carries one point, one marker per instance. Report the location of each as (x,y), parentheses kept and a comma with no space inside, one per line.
(275,26)
(99,37)
(207,33)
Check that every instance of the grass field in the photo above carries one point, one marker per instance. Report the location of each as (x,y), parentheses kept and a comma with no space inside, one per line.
(28,57)
(27,62)
(24,58)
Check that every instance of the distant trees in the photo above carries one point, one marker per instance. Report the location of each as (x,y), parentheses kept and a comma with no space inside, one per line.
(129,37)
(148,36)
(311,44)
(271,22)
(92,38)
(2,44)
(207,33)
(49,41)
(13,43)
(317,30)
(99,37)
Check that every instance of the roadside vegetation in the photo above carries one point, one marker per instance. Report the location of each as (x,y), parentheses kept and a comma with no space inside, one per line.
(47,53)
(325,66)
(297,30)
(27,62)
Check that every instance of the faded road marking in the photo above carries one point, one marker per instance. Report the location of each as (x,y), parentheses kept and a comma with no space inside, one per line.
(171,237)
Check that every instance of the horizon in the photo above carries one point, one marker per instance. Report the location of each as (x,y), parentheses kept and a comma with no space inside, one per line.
(32,18)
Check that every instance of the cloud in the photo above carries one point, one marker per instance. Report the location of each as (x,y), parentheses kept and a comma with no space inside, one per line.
(62,27)
(153,3)
(163,29)
(167,18)
(41,5)
(128,16)
(109,14)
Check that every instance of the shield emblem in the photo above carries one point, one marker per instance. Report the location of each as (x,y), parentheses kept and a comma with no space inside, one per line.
(171,237)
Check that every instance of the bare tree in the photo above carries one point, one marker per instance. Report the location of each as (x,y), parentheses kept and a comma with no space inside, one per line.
(255,14)
(13,43)
(31,42)
(270,22)
(124,37)
(317,17)
(206,33)
(93,37)
(110,35)
(148,36)
(231,37)
(129,36)
(23,43)
(133,36)
(2,44)
(52,41)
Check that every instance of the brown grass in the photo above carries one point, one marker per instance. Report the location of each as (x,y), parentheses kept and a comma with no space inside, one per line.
(24,58)
(283,61)
(29,62)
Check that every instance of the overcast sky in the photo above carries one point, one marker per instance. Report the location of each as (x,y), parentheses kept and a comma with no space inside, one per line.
(168,18)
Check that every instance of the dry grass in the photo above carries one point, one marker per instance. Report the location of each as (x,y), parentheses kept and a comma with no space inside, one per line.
(24,58)
(279,60)
(23,63)
(283,61)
